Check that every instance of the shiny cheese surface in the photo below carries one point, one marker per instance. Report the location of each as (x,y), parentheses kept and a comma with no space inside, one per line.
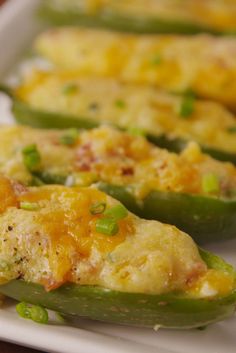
(219,15)
(204,64)
(106,154)
(58,243)
(127,105)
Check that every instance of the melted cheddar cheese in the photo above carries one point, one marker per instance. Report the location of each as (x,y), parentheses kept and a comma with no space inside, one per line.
(57,243)
(145,107)
(203,63)
(108,155)
(219,15)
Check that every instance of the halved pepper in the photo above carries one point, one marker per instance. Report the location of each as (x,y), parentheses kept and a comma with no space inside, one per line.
(146,274)
(142,184)
(150,16)
(87,103)
(173,63)
(173,310)
(205,219)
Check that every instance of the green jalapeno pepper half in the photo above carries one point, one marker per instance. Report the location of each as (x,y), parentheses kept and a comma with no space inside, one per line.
(171,310)
(121,21)
(206,219)
(26,115)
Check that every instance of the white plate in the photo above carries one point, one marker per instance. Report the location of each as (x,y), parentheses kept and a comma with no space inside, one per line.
(17,28)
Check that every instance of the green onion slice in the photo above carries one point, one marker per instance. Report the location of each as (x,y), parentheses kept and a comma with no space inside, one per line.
(210,183)
(23,310)
(116,212)
(70,137)
(29,206)
(32,312)
(187,105)
(107,226)
(38,314)
(98,208)
(135,131)
(31,158)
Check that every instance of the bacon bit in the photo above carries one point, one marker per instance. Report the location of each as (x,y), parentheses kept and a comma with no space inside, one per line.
(162,165)
(197,272)
(84,166)
(127,171)
(84,157)
(18,188)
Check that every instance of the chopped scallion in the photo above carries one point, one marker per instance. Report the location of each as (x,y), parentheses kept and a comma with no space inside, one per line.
(38,314)
(116,212)
(135,131)
(107,226)
(32,312)
(31,157)
(23,310)
(29,206)
(210,183)
(70,137)
(187,105)
(98,208)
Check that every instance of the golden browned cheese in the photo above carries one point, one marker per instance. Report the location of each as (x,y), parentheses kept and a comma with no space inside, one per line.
(106,154)
(219,15)
(203,63)
(129,105)
(56,241)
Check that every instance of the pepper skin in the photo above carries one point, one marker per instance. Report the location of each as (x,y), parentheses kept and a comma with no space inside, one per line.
(49,120)
(171,310)
(111,19)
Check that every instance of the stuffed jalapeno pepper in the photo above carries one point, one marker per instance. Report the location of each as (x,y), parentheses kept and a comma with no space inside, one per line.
(202,64)
(61,100)
(145,16)
(190,190)
(80,252)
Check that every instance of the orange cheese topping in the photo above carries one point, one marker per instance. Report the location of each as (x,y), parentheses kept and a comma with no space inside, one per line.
(146,107)
(66,223)
(56,242)
(114,157)
(74,223)
(212,282)
(7,195)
